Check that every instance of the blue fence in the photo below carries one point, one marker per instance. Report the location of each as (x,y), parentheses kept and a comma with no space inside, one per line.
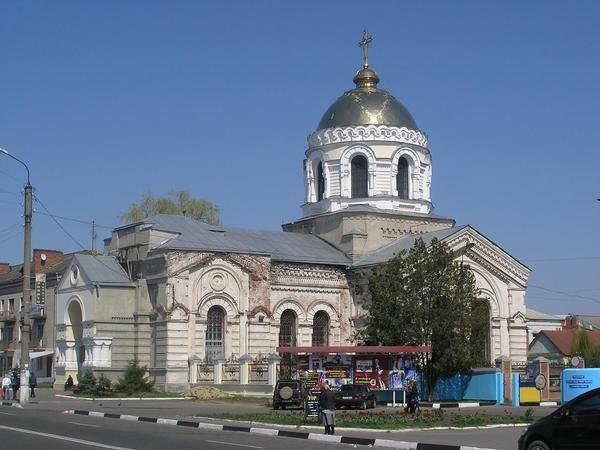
(481,384)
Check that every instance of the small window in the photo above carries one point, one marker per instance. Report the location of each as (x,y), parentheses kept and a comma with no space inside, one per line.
(587,407)
(287,329)
(320,183)
(11,305)
(320,336)
(359,172)
(402,178)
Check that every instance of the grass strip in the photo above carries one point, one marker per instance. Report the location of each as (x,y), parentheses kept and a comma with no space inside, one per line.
(386,420)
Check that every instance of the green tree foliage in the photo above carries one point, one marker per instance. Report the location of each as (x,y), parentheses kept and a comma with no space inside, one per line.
(176,202)
(425,297)
(584,347)
(133,380)
(88,384)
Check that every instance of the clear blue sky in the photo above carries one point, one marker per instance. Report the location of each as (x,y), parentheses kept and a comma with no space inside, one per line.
(107,100)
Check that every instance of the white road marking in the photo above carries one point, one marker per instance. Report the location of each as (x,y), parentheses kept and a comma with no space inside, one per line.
(64,438)
(7,414)
(85,424)
(231,443)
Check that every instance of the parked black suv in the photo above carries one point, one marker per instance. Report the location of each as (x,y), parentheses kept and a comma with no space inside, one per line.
(576,424)
(289,393)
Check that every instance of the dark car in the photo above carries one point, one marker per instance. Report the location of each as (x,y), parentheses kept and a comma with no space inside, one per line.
(289,393)
(358,395)
(574,425)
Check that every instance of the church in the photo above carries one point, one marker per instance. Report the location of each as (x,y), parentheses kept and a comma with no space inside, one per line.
(179,294)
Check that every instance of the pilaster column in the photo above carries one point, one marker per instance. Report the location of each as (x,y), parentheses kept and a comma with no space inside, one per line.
(245,361)
(274,360)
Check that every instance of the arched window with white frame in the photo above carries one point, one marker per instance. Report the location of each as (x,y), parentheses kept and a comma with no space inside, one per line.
(320,334)
(215,334)
(287,329)
(359,173)
(402,178)
(320,182)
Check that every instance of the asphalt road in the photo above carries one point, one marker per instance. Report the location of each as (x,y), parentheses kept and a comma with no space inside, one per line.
(46,430)
(45,416)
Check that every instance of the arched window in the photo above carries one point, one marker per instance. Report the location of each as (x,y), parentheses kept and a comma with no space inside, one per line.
(402,178)
(359,173)
(320,335)
(287,329)
(320,182)
(215,333)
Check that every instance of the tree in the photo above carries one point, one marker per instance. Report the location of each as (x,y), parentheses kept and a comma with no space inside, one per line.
(133,380)
(425,297)
(584,347)
(176,202)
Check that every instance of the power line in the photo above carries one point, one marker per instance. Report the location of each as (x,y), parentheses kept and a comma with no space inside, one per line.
(569,294)
(73,239)
(85,222)
(580,258)
(59,224)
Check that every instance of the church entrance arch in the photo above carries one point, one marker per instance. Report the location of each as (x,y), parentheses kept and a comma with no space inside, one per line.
(215,334)
(74,331)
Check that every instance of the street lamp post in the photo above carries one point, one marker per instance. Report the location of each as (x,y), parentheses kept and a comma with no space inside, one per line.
(25,326)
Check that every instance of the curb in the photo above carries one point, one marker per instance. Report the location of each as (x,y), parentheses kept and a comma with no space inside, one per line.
(72,397)
(400,445)
(539,404)
(441,405)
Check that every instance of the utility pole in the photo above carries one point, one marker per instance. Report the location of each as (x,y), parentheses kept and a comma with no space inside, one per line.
(26,325)
(26,302)
(94,236)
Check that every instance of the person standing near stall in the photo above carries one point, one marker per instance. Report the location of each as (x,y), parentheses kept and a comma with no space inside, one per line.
(327,402)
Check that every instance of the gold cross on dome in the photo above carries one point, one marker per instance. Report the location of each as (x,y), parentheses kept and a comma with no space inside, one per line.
(364,44)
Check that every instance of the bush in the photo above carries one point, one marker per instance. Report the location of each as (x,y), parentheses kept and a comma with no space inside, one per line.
(88,384)
(133,380)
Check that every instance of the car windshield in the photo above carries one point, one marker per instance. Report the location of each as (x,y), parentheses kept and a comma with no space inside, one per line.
(289,384)
(347,388)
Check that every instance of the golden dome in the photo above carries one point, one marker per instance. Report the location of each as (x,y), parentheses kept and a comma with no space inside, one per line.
(367,105)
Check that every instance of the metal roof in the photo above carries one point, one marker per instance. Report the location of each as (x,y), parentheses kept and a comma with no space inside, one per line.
(386,253)
(103,270)
(193,235)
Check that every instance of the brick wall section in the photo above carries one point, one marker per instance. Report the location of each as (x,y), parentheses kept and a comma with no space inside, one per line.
(53,257)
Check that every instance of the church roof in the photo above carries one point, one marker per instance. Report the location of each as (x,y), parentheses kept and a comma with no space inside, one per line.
(100,269)
(387,252)
(279,245)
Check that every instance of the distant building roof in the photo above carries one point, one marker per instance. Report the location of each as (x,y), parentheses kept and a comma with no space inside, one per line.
(563,339)
(531,314)
(103,270)
(279,245)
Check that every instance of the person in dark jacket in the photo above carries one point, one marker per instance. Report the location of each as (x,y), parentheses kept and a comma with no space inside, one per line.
(327,403)
(32,384)
(15,383)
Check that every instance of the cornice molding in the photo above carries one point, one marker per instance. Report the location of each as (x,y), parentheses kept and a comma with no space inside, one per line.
(367,133)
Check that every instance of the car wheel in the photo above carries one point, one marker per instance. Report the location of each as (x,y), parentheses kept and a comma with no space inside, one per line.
(363,405)
(373,404)
(282,406)
(538,445)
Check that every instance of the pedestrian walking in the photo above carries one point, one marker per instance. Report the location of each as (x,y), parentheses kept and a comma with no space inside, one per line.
(15,383)
(32,384)
(6,387)
(327,402)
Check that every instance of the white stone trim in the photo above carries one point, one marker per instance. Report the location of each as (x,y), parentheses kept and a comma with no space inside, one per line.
(367,133)
(346,169)
(321,305)
(289,304)
(223,300)
(414,164)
